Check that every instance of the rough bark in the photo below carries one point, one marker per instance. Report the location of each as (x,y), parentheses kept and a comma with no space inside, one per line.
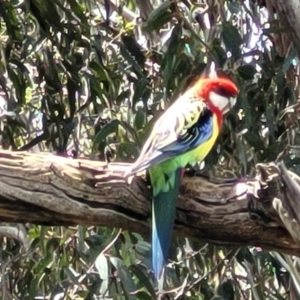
(52,190)
(288,12)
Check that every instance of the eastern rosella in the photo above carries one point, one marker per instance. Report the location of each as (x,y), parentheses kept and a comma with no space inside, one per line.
(184,134)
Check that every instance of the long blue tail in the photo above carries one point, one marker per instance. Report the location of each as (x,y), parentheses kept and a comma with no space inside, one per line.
(163,214)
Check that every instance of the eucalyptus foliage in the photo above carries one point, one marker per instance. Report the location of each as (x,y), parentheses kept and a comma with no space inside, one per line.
(87,78)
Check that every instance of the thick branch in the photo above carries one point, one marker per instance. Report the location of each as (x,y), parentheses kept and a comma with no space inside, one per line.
(47,189)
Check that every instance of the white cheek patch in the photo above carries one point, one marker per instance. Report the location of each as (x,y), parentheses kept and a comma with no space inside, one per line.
(218,101)
(232,101)
(222,102)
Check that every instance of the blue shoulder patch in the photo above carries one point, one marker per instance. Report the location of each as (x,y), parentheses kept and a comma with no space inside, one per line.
(195,136)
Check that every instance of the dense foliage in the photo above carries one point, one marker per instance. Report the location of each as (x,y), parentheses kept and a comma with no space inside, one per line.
(86,78)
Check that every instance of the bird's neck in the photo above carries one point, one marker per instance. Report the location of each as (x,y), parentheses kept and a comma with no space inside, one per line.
(218,114)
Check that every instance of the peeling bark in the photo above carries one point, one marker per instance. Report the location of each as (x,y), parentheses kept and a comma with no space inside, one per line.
(52,190)
(288,12)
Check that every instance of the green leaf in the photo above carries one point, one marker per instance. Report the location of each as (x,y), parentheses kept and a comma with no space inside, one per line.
(140,119)
(107,245)
(42,264)
(131,60)
(140,88)
(46,9)
(218,53)
(159,16)
(34,286)
(94,241)
(143,279)
(77,9)
(134,48)
(122,96)
(52,245)
(19,84)
(72,274)
(143,248)
(124,274)
(129,129)
(10,17)
(144,296)
(34,232)
(106,130)
(127,151)
(99,70)
(247,72)
(232,39)
(226,290)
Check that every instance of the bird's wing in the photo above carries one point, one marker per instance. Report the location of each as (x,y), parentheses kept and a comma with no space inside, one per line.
(184,126)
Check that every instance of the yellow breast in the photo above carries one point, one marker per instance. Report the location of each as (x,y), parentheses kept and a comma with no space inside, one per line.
(199,153)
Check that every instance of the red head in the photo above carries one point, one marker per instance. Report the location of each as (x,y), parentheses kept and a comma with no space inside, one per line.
(219,93)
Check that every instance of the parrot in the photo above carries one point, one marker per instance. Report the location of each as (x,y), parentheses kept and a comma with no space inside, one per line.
(184,134)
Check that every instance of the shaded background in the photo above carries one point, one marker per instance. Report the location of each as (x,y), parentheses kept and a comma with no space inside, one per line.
(89,78)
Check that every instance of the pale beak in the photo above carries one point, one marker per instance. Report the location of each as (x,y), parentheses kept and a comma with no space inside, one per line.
(231,103)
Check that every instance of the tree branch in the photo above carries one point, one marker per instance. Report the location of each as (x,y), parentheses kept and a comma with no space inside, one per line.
(288,12)
(52,190)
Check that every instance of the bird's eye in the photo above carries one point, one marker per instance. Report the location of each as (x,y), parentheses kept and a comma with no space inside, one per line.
(223,91)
